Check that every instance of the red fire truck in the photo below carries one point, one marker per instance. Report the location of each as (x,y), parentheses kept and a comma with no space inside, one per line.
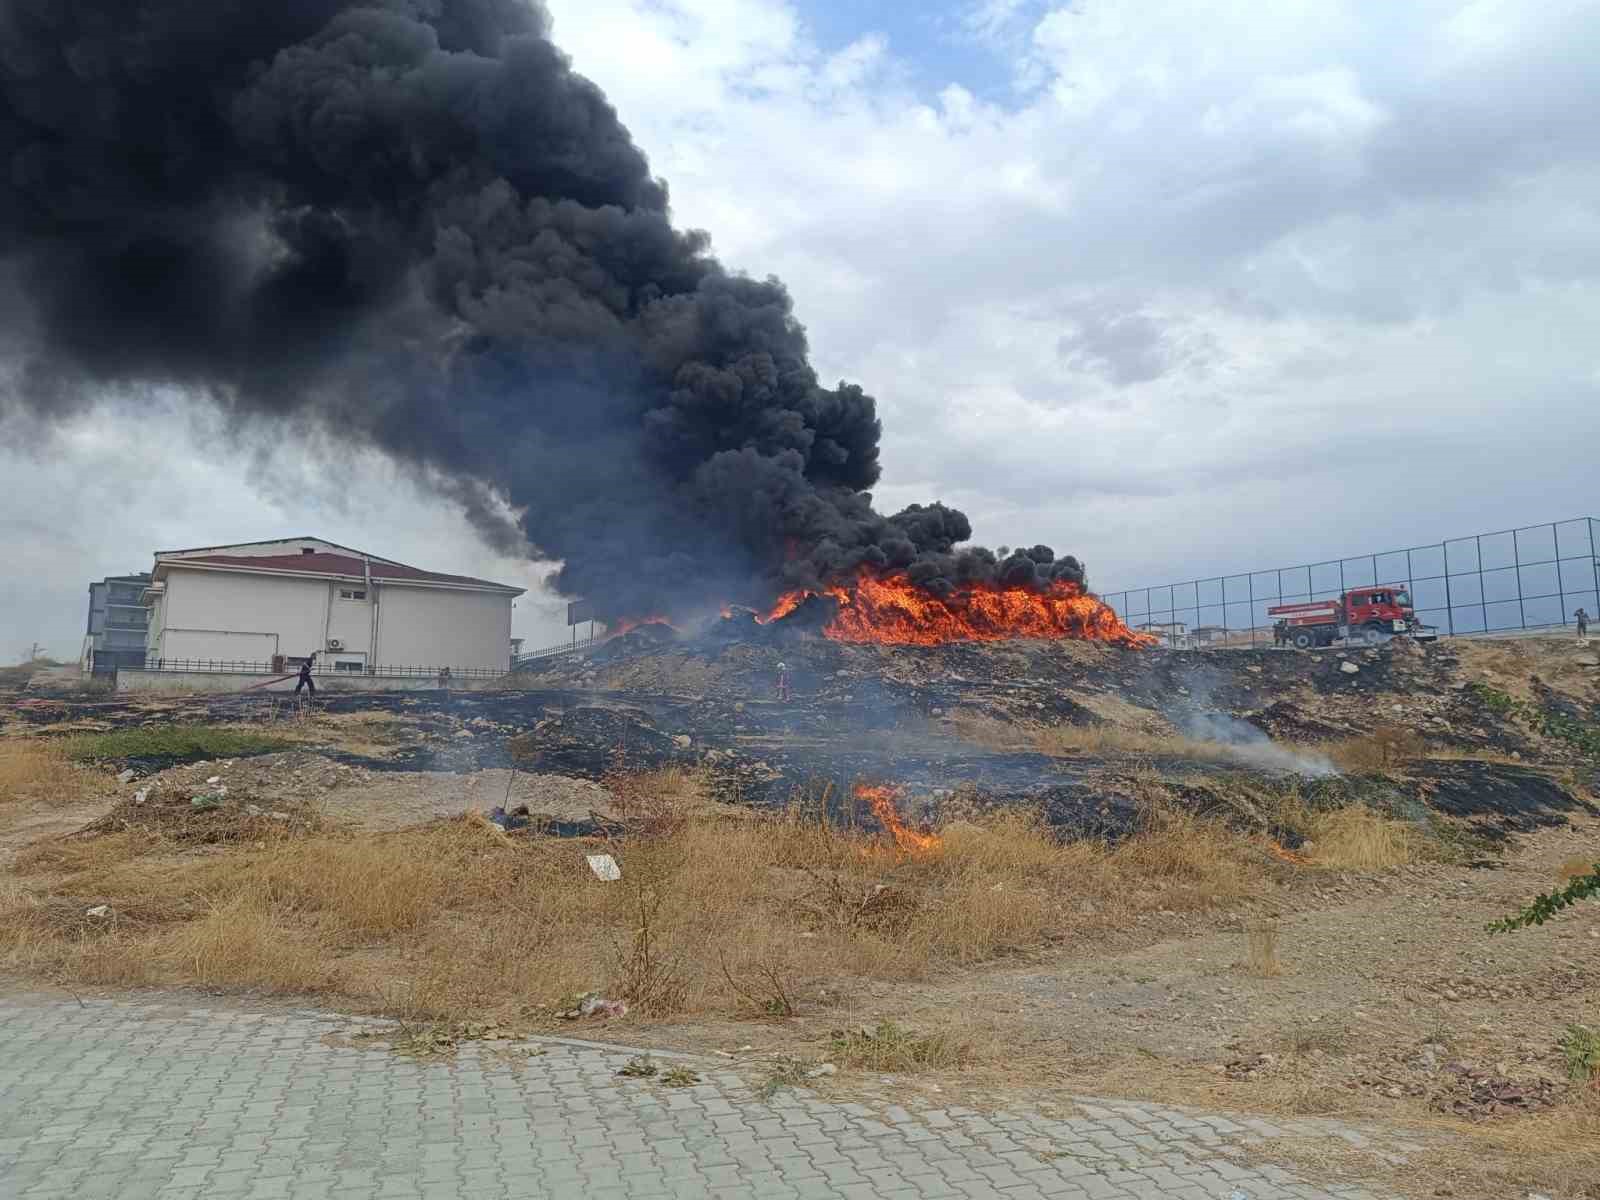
(1370,614)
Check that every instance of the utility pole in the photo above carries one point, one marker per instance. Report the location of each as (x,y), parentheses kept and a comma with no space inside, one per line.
(34,653)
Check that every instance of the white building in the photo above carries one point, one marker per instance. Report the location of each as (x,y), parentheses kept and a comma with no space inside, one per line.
(260,601)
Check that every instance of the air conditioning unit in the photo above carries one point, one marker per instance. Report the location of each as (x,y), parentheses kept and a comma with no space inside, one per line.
(335,644)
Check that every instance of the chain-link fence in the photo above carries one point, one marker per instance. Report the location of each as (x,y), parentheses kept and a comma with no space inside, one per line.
(1535,577)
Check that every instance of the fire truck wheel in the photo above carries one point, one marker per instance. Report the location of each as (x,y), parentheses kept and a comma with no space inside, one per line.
(1371,634)
(1303,639)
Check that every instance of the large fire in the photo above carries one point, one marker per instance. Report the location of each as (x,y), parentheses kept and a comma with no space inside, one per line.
(890,609)
(882,801)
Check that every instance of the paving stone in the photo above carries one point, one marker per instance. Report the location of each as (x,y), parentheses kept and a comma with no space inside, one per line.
(143,1101)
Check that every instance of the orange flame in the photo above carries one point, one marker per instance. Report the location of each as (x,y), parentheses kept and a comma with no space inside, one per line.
(882,801)
(891,610)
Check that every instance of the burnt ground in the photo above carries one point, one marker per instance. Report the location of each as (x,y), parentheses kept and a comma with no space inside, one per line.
(961,722)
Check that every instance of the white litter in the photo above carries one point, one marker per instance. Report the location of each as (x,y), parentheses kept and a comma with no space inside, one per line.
(605,867)
(215,779)
(99,910)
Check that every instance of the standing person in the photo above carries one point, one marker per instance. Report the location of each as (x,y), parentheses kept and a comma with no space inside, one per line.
(1583,624)
(305,680)
(783,683)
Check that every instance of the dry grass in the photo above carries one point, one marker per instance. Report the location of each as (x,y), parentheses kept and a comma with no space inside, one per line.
(1575,868)
(1066,741)
(1551,1153)
(1386,748)
(34,769)
(713,913)
(1358,839)
(1261,948)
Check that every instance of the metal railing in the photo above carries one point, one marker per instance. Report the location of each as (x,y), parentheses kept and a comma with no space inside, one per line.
(578,646)
(1533,577)
(222,666)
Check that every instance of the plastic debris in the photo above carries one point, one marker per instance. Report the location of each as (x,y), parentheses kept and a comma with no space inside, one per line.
(99,911)
(141,795)
(605,867)
(214,780)
(593,1004)
(128,776)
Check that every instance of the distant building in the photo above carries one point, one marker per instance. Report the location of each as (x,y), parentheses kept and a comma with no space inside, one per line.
(1172,634)
(115,636)
(281,601)
(1209,635)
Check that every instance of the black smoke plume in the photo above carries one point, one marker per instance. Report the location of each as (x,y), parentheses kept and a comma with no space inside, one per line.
(409,223)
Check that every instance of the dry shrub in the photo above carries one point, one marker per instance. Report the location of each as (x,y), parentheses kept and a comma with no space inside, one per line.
(1356,838)
(1198,863)
(888,1047)
(34,769)
(651,800)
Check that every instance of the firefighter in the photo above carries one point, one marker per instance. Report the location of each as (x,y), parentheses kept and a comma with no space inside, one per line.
(1582,618)
(1280,633)
(783,683)
(305,680)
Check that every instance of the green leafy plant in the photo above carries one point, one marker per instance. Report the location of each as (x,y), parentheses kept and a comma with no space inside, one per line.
(1542,907)
(680,1077)
(1580,1045)
(638,1068)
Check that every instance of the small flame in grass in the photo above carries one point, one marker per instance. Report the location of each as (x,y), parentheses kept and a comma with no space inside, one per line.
(1288,856)
(882,801)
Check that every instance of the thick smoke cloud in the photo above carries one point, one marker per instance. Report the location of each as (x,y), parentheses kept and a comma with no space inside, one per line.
(409,223)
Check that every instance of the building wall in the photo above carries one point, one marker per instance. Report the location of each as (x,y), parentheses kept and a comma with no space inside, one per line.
(428,626)
(218,615)
(223,616)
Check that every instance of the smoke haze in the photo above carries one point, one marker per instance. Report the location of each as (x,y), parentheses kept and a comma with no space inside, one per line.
(408,223)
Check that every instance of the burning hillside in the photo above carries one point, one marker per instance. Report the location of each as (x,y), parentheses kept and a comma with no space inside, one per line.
(892,610)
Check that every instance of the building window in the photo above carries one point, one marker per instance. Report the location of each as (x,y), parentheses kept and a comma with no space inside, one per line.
(348,594)
(343,665)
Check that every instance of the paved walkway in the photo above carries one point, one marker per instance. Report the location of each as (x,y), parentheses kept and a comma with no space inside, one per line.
(136,1100)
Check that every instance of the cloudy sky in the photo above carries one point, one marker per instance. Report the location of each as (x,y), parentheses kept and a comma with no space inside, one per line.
(1178,288)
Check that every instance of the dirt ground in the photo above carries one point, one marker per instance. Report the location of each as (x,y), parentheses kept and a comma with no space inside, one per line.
(1389,1001)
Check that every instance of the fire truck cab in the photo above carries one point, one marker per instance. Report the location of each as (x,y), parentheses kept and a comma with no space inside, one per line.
(1369,614)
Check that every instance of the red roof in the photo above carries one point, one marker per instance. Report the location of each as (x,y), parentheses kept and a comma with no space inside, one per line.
(321,563)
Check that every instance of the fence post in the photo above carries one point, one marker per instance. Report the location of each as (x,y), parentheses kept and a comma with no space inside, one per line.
(1449,604)
(1516,561)
(1561,586)
(1483,604)
(1594,565)
(1250,580)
